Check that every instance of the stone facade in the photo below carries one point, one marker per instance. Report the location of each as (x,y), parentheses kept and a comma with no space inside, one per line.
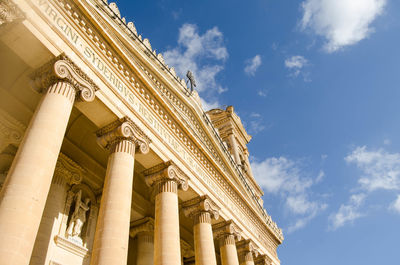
(107,158)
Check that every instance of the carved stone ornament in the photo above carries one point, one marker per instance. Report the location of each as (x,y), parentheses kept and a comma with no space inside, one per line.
(62,68)
(263,260)
(166,171)
(123,129)
(142,225)
(227,228)
(68,171)
(246,246)
(9,12)
(11,130)
(200,204)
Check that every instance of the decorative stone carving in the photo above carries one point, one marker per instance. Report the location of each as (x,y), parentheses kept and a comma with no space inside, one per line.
(246,250)
(227,228)
(11,130)
(132,27)
(115,9)
(78,218)
(161,58)
(123,129)
(62,68)
(164,172)
(146,43)
(263,260)
(67,171)
(9,12)
(203,204)
(187,250)
(142,225)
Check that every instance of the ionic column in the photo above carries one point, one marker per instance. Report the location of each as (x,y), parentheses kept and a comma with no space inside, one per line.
(23,196)
(263,260)
(246,250)
(166,178)
(201,210)
(143,230)
(112,231)
(226,233)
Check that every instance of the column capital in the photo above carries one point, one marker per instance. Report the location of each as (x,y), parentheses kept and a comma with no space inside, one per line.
(263,260)
(142,225)
(246,248)
(227,228)
(64,69)
(164,172)
(123,129)
(9,12)
(203,204)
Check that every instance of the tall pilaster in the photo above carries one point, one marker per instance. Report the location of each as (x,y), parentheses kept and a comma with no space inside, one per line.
(246,252)
(111,239)
(226,233)
(143,230)
(234,148)
(166,178)
(23,196)
(201,210)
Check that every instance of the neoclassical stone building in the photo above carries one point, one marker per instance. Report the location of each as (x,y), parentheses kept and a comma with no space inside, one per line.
(107,158)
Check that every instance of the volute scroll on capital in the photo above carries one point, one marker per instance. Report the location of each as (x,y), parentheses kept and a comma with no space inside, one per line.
(62,68)
(164,172)
(263,260)
(123,129)
(227,228)
(247,246)
(200,204)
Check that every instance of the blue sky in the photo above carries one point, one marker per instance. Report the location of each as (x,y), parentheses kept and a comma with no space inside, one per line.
(316,83)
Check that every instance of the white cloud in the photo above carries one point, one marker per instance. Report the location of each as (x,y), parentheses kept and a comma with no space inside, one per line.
(395,206)
(347,212)
(262,93)
(341,22)
(296,64)
(252,65)
(285,178)
(204,55)
(380,171)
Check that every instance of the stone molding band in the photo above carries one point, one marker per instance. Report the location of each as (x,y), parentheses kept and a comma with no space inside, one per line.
(62,69)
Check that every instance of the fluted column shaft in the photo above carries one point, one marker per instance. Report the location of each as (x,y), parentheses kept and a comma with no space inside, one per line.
(228,250)
(203,240)
(23,196)
(167,249)
(112,231)
(145,248)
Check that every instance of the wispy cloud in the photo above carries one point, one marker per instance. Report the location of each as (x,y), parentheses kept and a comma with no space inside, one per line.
(262,93)
(203,54)
(395,206)
(380,171)
(255,123)
(347,213)
(251,65)
(296,64)
(341,22)
(285,178)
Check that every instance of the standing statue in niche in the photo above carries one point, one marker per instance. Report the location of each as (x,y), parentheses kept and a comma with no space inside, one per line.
(78,217)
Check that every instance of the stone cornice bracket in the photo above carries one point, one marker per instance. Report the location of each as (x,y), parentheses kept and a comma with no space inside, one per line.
(123,129)
(67,171)
(246,246)
(164,172)
(9,12)
(142,225)
(263,260)
(62,68)
(202,204)
(227,228)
